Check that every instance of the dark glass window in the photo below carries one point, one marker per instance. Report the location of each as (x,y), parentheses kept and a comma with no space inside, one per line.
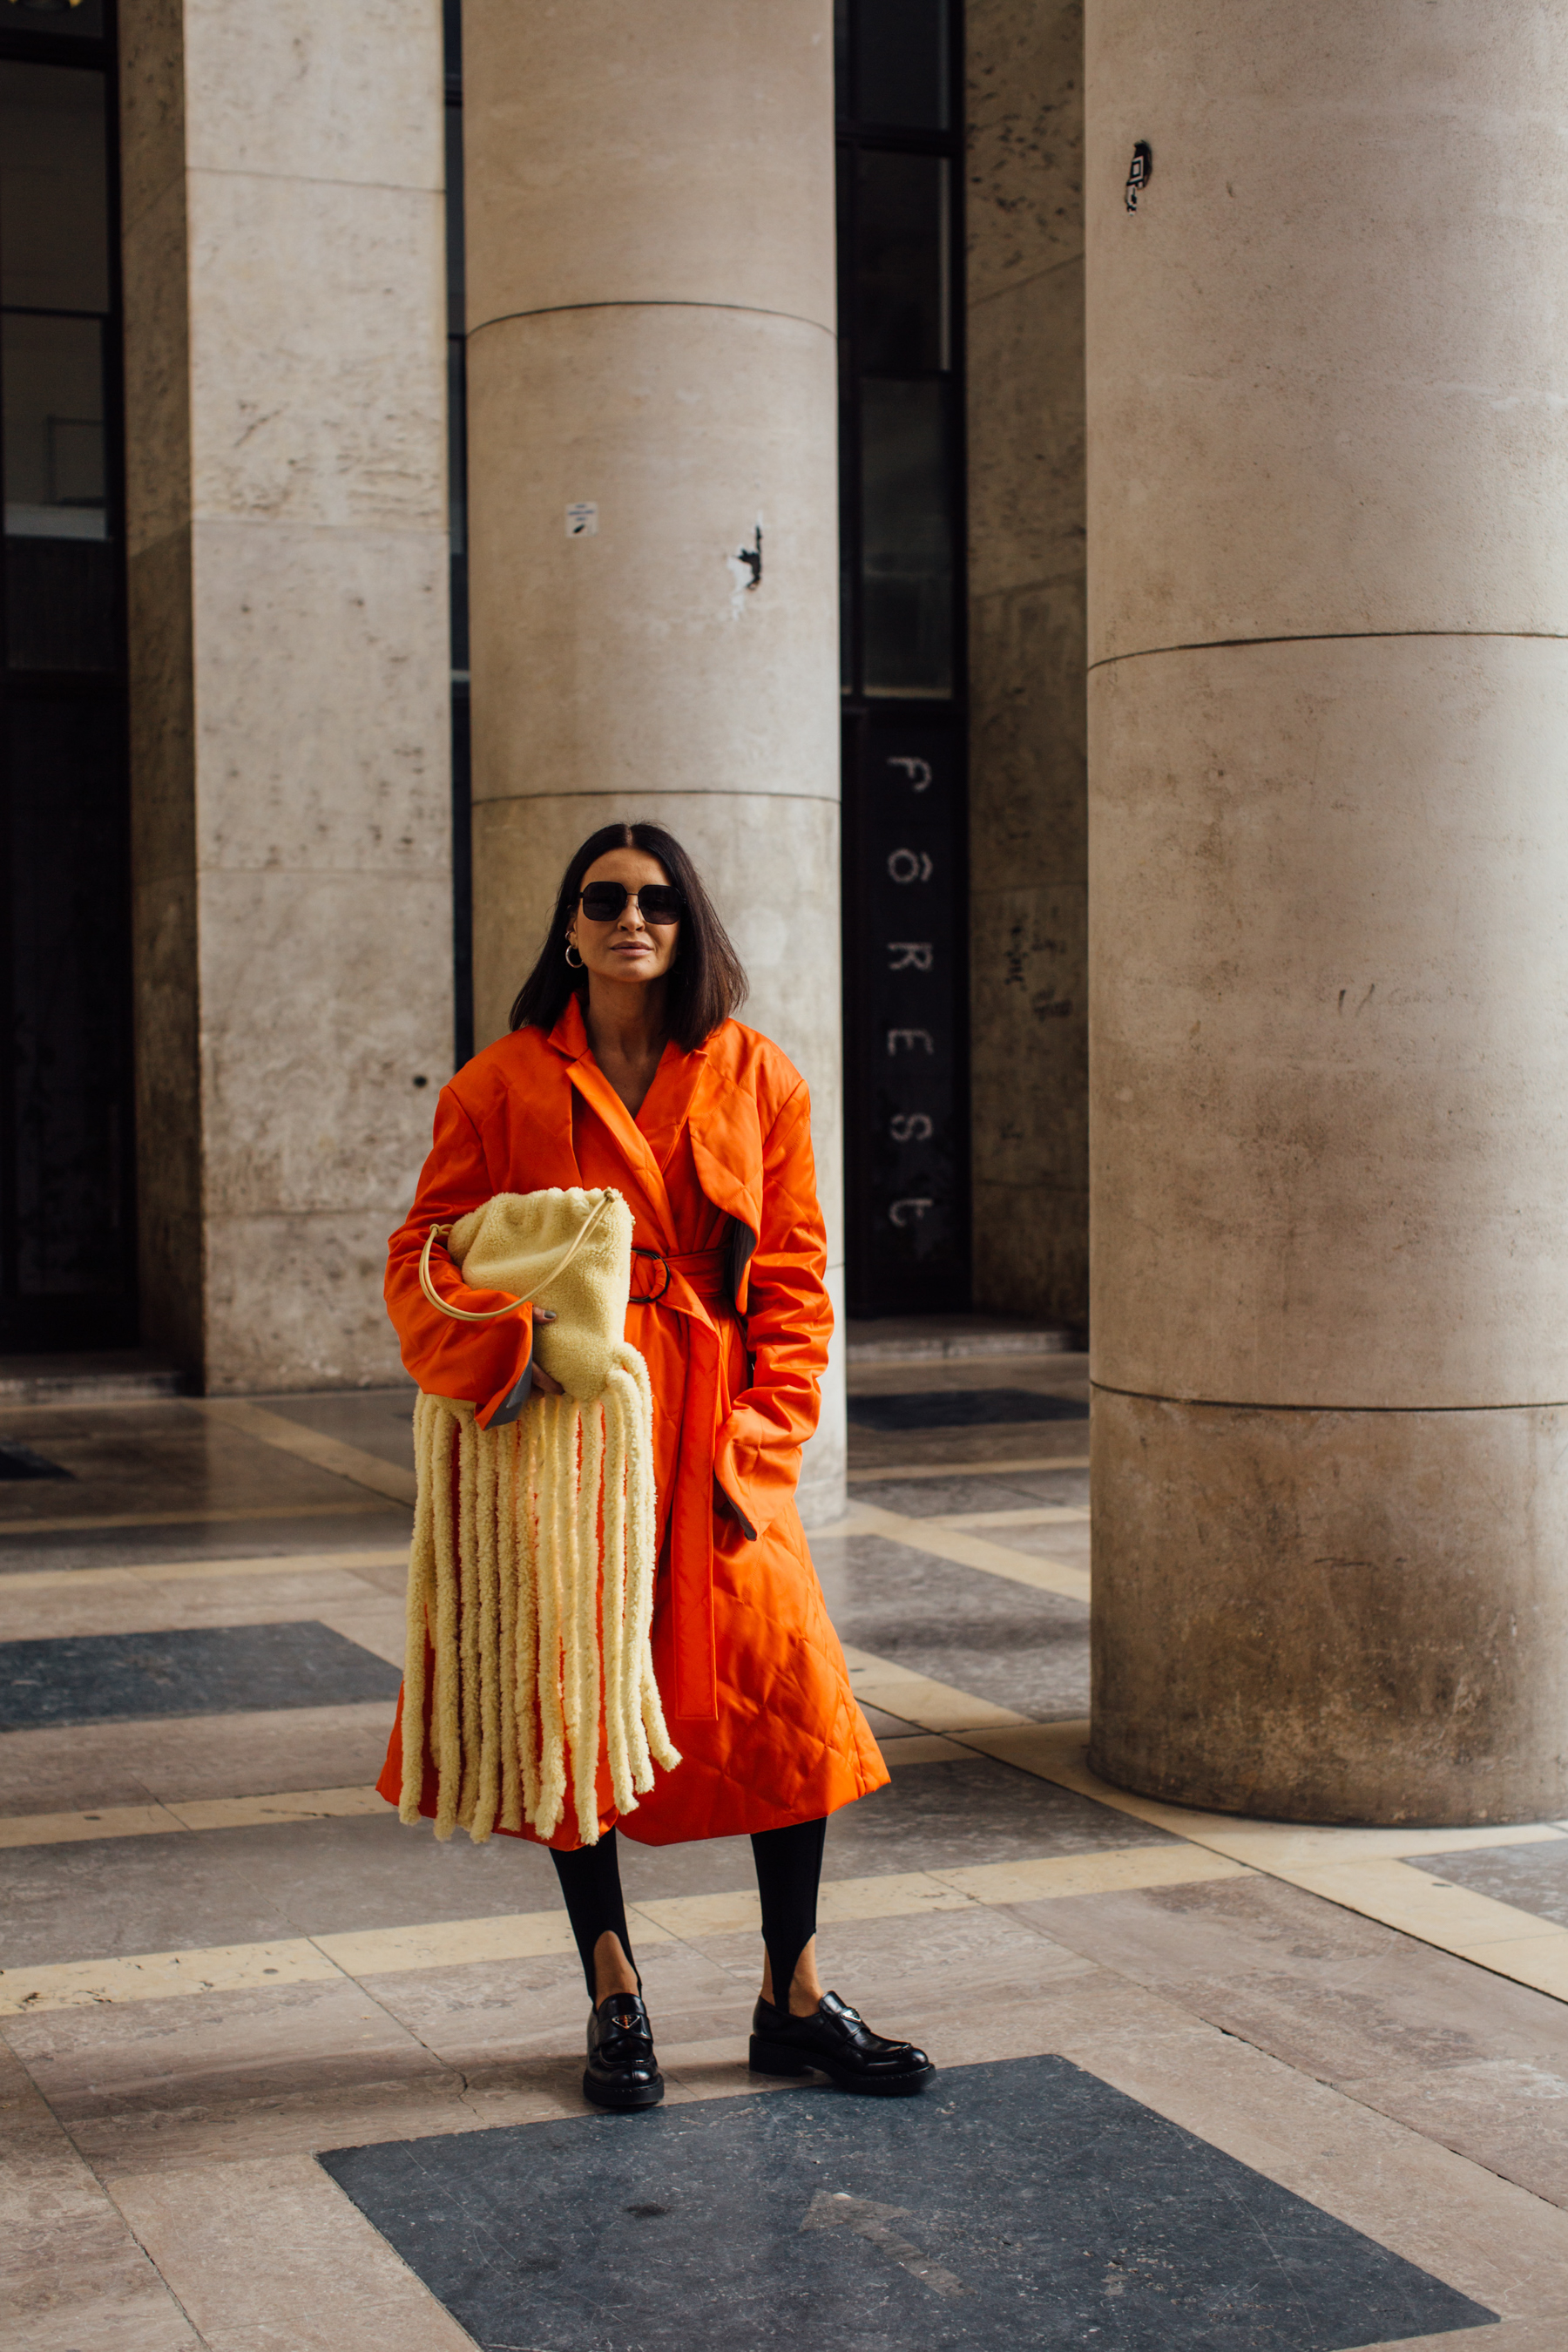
(67,1210)
(902,65)
(902,667)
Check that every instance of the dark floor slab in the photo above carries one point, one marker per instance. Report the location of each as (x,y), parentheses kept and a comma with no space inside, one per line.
(83,1899)
(1534,1878)
(19,1461)
(1024,2203)
(193,1670)
(984,1635)
(917,1409)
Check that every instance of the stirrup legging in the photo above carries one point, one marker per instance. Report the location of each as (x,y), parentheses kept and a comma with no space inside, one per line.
(789,1870)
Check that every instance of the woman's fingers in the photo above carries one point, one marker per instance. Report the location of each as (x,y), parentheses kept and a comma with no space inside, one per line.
(542,1380)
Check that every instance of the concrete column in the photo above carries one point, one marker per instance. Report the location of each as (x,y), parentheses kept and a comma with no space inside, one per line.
(286,496)
(1329,761)
(1027,786)
(649,195)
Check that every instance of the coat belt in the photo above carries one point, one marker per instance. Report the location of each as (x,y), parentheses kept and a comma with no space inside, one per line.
(692,1282)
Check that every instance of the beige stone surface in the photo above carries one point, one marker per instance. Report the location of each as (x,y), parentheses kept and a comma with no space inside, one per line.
(317,351)
(252,1753)
(1325,358)
(1024,168)
(1029,990)
(286,495)
(303,94)
(677,151)
(349,773)
(1331,1616)
(1331,1066)
(637,659)
(293,1121)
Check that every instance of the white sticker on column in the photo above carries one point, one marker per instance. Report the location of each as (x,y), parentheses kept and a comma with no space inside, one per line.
(582,519)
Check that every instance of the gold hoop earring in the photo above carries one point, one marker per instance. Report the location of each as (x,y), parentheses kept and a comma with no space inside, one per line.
(573,959)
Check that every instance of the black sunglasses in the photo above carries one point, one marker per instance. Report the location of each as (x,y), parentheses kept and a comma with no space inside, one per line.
(658,902)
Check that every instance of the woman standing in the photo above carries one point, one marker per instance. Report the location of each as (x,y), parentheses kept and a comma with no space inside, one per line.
(623,1067)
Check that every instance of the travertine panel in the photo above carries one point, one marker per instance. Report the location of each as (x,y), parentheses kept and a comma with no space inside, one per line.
(640,659)
(155,274)
(1028,982)
(294,1302)
(1331,1047)
(286,495)
(312,1038)
(349,769)
(1331,1616)
(1326,357)
(674,151)
(318,351)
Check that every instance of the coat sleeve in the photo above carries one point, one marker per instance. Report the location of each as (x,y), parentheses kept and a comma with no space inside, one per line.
(483,1362)
(789,1322)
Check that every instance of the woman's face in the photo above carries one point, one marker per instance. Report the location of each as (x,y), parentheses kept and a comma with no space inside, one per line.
(627,948)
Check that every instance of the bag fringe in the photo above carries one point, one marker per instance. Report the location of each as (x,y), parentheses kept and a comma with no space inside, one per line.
(530,1577)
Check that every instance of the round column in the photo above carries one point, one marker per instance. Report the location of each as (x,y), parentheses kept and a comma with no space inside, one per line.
(652,493)
(1328,868)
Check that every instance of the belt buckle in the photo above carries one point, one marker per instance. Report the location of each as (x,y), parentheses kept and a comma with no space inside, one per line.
(650,1298)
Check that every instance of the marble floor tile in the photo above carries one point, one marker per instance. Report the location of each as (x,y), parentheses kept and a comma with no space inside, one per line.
(83,1678)
(139,1605)
(268,2255)
(1050,1373)
(1532,1878)
(378,1420)
(938,1409)
(352,1524)
(72,2276)
(156,1456)
(242,1754)
(244,1885)
(919,1498)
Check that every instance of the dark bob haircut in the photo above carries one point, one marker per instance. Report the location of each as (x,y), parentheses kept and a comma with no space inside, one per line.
(707,981)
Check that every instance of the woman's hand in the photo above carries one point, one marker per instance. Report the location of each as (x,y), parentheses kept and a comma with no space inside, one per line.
(542,1380)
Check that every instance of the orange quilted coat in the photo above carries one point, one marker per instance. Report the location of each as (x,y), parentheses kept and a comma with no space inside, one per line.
(755,1685)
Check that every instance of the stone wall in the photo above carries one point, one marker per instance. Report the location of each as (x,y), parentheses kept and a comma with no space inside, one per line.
(286,496)
(1027,909)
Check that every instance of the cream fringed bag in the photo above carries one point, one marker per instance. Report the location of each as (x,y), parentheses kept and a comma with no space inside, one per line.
(533,1542)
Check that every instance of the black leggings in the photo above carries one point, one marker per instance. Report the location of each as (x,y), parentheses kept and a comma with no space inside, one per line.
(789,1870)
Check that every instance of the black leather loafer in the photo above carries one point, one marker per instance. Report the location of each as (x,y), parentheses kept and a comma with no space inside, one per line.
(837,2040)
(622,2071)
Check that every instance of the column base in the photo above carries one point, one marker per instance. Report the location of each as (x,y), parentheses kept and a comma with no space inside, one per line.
(1331,1615)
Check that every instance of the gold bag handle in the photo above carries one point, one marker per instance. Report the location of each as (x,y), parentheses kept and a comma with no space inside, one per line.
(491,1314)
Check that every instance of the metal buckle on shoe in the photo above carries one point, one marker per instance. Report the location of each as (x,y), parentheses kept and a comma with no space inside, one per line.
(650,1298)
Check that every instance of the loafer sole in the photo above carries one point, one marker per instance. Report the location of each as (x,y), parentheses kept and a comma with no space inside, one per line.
(622,2102)
(778,2058)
